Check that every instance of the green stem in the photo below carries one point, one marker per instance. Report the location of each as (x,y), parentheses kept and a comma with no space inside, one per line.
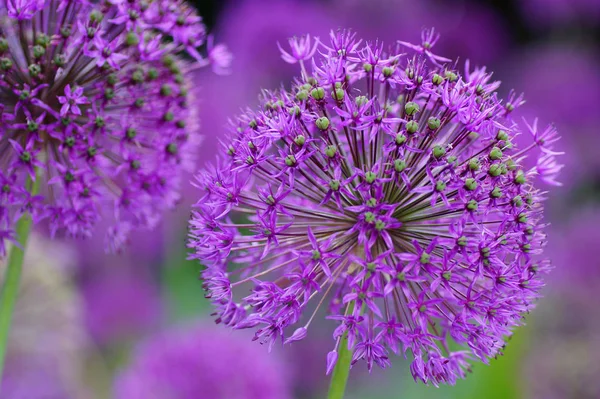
(339,378)
(12,277)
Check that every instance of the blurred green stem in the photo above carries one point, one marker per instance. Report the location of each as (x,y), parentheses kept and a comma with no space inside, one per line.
(12,277)
(339,378)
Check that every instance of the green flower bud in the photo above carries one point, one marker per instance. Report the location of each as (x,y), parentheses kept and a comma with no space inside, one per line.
(322,123)
(302,95)
(387,71)
(338,94)
(412,126)
(451,76)
(520,177)
(32,125)
(495,170)
(517,201)
(470,184)
(411,108)
(399,165)
(34,70)
(65,31)
(131,133)
(495,154)
(168,116)
(438,152)
(290,160)
(166,90)
(60,60)
(131,39)
(472,205)
(318,93)
(300,140)
(502,135)
(295,110)
(440,186)
(330,151)
(433,123)
(400,139)
(496,192)
(361,100)
(370,177)
(334,185)
(96,16)
(437,79)
(38,51)
(5,64)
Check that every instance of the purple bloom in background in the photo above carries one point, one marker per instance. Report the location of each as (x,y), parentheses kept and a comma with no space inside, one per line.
(201,362)
(562,85)
(120,292)
(563,358)
(387,187)
(45,356)
(547,12)
(468,29)
(97,99)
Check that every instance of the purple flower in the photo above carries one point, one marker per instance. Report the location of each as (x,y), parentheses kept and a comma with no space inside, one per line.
(96,101)
(547,12)
(201,362)
(463,169)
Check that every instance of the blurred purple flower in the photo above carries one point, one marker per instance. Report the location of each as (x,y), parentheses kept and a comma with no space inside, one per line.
(47,343)
(96,99)
(468,29)
(120,292)
(563,358)
(388,188)
(562,85)
(201,362)
(547,12)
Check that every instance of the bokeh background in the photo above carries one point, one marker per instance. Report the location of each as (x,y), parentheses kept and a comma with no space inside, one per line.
(89,325)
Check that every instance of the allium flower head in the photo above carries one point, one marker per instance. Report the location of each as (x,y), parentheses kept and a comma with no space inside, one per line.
(385,186)
(201,362)
(94,96)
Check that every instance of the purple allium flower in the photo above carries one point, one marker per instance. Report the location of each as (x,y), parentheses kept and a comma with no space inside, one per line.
(201,362)
(95,97)
(387,188)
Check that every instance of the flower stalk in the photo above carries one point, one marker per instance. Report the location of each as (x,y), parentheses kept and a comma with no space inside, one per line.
(12,277)
(339,378)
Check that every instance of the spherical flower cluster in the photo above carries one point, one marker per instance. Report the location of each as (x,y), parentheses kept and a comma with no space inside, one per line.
(201,362)
(387,187)
(95,101)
